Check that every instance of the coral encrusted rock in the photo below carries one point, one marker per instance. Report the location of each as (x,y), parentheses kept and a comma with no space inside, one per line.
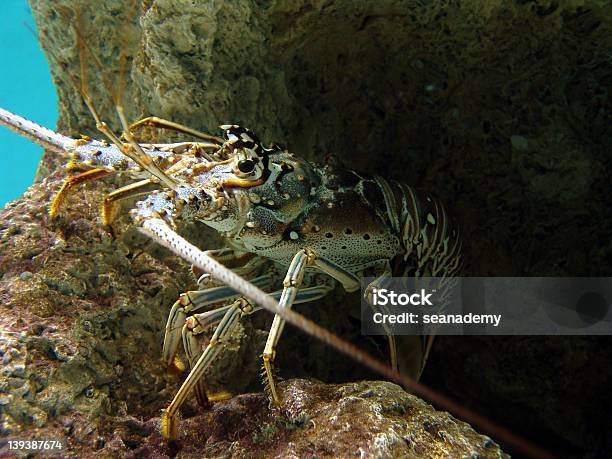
(501,108)
(365,419)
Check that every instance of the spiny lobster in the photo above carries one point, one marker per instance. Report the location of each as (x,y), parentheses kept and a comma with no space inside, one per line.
(276,211)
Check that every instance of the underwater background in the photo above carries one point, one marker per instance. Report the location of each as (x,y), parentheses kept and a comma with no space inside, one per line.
(501,108)
(27,89)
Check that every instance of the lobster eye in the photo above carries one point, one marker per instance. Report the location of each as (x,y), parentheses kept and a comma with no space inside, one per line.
(246,165)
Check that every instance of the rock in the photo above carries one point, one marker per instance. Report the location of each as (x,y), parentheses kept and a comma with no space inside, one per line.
(25,275)
(430,93)
(368,419)
(519,142)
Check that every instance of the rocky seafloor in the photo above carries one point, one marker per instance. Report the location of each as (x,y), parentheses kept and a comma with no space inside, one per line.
(501,108)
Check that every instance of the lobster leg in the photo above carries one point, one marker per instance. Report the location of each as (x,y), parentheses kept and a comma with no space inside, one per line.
(197,324)
(291,284)
(349,281)
(284,297)
(250,267)
(109,207)
(158,230)
(87,176)
(223,331)
(193,301)
(193,346)
(378,283)
(293,281)
(232,314)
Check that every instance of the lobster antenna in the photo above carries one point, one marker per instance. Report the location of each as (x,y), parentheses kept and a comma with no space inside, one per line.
(132,149)
(45,137)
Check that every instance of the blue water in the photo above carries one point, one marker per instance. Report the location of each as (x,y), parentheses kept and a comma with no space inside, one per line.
(25,89)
